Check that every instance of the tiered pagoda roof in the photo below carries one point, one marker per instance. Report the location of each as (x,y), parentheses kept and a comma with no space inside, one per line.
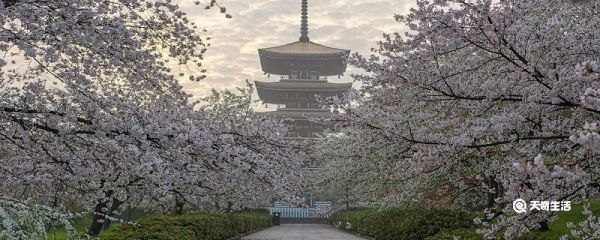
(280,60)
(299,115)
(283,92)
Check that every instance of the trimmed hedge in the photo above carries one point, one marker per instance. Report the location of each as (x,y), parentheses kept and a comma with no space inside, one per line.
(193,226)
(401,224)
(461,233)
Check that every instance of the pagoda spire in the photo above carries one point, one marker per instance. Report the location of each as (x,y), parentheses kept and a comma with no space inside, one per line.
(304,22)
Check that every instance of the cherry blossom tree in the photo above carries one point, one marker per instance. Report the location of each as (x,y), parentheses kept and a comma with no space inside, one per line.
(470,96)
(589,137)
(91,113)
(27,220)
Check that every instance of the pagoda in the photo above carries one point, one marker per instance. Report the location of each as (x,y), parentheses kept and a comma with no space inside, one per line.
(303,67)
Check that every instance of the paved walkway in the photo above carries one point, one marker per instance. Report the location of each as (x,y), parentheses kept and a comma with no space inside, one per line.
(302,232)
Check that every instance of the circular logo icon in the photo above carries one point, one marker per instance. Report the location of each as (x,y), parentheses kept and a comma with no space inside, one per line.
(520,206)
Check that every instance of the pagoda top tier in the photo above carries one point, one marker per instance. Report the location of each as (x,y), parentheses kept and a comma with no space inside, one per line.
(303,55)
(304,49)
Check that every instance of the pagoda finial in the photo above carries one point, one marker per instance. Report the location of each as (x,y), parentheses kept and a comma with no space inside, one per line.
(304,23)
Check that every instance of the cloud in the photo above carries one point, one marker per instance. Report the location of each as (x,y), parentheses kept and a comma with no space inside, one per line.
(233,57)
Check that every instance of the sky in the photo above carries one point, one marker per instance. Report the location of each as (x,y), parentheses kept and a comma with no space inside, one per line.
(232,58)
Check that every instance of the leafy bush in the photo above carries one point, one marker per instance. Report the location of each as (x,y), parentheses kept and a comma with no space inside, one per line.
(399,224)
(193,226)
(461,233)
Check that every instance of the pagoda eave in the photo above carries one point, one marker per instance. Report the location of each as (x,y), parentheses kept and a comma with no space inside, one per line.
(342,55)
(302,92)
(303,85)
(282,66)
(281,60)
(299,115)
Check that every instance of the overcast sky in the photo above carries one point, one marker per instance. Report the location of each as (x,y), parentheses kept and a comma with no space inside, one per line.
(350,24)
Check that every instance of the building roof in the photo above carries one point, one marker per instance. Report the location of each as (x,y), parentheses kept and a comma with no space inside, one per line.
(303,86)
(299,49)
(298,92)
(299,115)
(282,60)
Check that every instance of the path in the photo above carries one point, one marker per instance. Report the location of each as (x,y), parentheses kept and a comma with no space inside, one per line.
(302,232)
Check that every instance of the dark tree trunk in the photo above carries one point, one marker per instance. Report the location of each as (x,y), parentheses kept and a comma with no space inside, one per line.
(491,197)
(179,205)
(115,205)
(544,226)
(99,215)
(97,219)
(229,206)
(347,195)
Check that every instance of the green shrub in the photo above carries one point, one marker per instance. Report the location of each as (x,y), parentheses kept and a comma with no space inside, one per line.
(400,224)
(193,226)
(462,233)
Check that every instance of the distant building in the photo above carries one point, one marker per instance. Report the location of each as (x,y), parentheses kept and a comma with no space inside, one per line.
(303,67)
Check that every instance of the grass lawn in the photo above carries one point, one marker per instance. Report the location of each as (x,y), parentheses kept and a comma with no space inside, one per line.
(81,224)
(559,228)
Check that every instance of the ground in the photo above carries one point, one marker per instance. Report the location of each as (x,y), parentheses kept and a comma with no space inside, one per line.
(302,232)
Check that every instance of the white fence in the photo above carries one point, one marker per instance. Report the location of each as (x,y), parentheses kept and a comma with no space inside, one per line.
(320,210)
